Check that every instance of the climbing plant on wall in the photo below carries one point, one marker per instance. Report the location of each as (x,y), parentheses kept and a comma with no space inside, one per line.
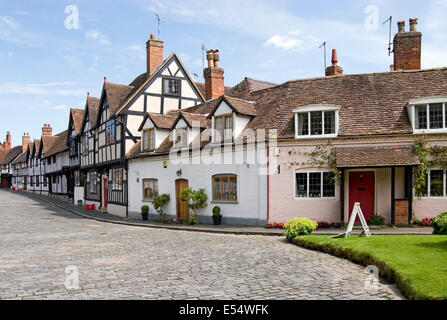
(323,156)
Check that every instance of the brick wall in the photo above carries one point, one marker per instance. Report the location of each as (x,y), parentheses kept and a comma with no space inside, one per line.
(401,210)
(407,51)
(214,82)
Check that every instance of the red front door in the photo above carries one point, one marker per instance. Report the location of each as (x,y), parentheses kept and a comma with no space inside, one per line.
(106,191)
(362,189)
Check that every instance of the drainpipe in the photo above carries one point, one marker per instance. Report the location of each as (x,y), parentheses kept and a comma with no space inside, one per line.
(268,184)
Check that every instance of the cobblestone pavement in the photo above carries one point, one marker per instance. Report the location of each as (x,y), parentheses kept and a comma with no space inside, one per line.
(38,241)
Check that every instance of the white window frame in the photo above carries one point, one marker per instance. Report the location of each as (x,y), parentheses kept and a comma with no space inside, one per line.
(187,138)
(317,108)
(444,185)
(427,102)
(308,172)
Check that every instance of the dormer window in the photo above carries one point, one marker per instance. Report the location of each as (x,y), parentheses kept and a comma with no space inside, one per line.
(223,125)
(316,121)
(148,139)
(181,137)
(428,115)
(171,86)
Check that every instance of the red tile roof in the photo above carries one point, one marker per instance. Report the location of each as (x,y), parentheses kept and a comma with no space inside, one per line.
(59,144)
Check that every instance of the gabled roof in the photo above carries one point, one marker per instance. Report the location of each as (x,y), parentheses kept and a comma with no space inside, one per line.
(3,154)
(201,87)
(59,144)
(77,116)
(36,147)
(237,105)
(115,94)
(21,158)
(191,119)
(11,155)
(46,143)
(142,80)
(162,121)
(244,88)
(91,109)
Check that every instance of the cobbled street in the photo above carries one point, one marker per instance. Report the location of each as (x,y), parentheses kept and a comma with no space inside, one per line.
(38,241)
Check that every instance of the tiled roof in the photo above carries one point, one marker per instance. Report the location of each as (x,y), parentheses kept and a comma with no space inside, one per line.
(376,157)
(77,116)
(243,89)
(370,103)
(20,159)
(36,145)
(3,154)
(47,143)
(93,107)
(240,106)
(192,118)
(11,155)
(59,144)
(201,87)
(116,94)
(161,121)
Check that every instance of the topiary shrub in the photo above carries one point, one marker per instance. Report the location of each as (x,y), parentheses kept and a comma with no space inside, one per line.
(299,227)
(376,220)
(439,224)
(144,209)
(216,211)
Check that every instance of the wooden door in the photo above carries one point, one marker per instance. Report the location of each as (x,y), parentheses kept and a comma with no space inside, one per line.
(106,191)
(362,190)
(182,206)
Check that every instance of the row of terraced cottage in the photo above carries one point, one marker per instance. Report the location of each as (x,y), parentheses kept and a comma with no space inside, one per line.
(254,147)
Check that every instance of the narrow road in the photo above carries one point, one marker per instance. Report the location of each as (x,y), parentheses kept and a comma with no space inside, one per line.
(39,241)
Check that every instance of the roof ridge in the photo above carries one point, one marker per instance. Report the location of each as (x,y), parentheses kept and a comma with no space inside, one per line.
(348,75)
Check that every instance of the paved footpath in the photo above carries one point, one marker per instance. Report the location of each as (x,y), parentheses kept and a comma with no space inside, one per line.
(39,240)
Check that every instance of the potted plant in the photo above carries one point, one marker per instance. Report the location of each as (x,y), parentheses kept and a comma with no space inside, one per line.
(145,212)
(217,217)
(196,200)
(159,204)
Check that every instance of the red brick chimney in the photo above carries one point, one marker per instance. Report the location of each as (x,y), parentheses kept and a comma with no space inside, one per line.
(214,76)
(334,70)
(47,130)
(407,47)
(7,143)
(154,49)
(25,141)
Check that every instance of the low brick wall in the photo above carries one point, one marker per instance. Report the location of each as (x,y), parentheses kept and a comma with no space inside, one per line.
(401,210)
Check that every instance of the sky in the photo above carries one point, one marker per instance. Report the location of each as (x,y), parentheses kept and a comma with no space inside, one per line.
(52,52)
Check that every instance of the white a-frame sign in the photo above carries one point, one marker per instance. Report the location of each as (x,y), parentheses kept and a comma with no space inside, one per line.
(356,211)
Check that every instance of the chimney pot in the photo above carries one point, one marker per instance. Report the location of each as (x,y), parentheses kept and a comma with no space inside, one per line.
(210,58)
(334,57)
(335,69)
(216,58)
(152,37)
(401,26)
(413,24)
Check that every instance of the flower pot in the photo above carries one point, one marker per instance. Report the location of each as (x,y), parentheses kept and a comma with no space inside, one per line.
(145,216)
(217,220)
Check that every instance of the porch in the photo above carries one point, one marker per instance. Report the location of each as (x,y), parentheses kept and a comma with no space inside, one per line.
(381,179)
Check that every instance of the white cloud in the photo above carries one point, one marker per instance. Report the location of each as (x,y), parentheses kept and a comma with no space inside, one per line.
(10,54)
(62,107)
(135,47)
(50,88)
(98,36)
(294,40)
(8,22)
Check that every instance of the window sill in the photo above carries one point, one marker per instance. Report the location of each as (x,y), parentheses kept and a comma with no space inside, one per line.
(428,131)
(224,202)
(316,136)
(148,201)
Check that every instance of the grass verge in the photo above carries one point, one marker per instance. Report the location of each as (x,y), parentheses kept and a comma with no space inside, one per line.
(416,263)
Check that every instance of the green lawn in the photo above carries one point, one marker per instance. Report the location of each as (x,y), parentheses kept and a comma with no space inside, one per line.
(417,263)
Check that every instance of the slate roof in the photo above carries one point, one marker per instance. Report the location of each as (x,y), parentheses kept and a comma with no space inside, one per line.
(59,144)
(376,157)
(11,155)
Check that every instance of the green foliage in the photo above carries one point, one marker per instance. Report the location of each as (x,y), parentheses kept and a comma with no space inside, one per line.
(299,227)
(324,156)
(160,203)
(196,198)
(439,224)
(216,211)
(428,157)
(192,220)
(144,209)
(376,220)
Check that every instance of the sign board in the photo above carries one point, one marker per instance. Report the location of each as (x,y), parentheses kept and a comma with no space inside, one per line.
(356,211)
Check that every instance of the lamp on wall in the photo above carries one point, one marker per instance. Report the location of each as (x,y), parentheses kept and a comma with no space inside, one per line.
(179,172)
